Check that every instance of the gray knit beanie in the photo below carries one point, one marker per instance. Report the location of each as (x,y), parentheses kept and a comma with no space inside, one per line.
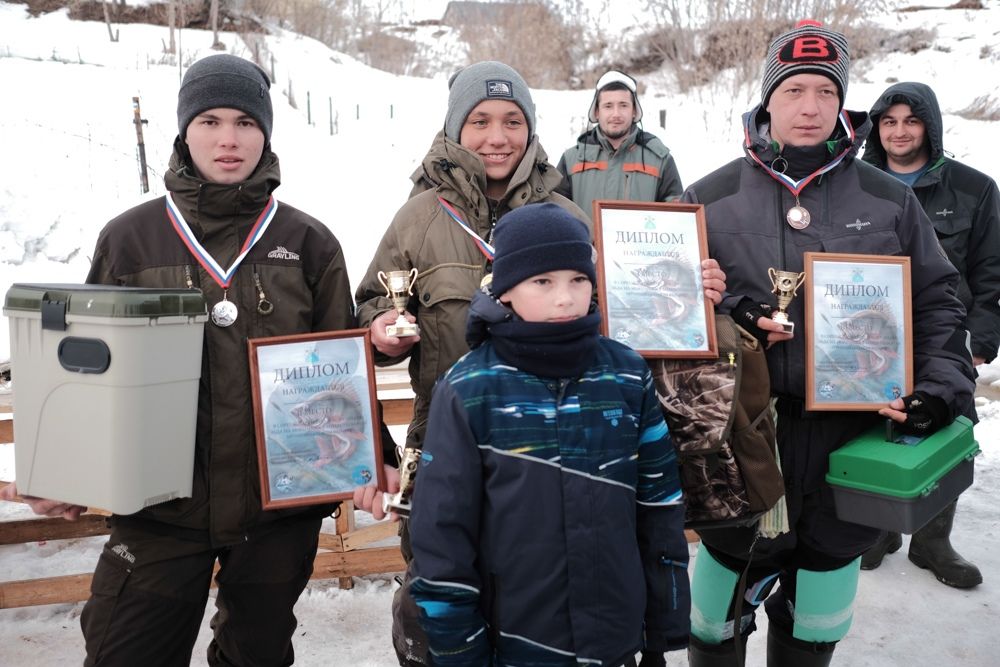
(487,80)
(808,48)
(536,238)
(225,81)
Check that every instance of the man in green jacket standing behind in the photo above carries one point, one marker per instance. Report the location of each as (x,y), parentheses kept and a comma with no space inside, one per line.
(617,159)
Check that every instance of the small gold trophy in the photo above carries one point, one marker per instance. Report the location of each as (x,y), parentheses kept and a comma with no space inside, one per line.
(400,502)
(785,285)
(399,287)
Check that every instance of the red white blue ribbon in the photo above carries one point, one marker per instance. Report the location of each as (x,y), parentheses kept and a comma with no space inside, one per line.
(483,246)
(795,187)
(222,277)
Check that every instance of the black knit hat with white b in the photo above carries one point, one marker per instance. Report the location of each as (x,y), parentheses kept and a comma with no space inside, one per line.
(808,48)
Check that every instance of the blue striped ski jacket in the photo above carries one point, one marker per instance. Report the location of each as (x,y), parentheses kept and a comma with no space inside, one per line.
(547,522)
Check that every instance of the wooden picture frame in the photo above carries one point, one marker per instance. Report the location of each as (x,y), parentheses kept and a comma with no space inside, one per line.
(649,278)
(315,411)
(859,334)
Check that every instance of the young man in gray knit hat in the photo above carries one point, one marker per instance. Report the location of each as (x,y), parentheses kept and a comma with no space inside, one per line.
(152,581)
(800,188)
(486,161)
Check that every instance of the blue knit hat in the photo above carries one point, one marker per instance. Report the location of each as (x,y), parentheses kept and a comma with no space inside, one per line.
(537,238)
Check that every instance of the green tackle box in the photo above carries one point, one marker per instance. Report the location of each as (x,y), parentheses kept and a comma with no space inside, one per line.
(902,483)
(105,385)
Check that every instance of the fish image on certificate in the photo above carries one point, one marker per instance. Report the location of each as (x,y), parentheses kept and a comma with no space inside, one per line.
(317,427)
(650,277)
(859,344)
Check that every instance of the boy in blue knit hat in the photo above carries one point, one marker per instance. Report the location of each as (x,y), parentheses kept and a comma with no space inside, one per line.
(547,527)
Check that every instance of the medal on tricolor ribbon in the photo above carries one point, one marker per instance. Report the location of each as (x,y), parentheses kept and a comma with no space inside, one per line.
(798,217)
(225,312)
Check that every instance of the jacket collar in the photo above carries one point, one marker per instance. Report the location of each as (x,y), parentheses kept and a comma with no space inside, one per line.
(757,142)
(204,203)
(460,177)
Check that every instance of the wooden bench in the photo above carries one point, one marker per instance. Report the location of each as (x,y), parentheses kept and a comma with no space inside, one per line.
(342,554)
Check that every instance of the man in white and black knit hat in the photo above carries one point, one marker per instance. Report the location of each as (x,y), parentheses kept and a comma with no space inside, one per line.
(617,159)
(799,188)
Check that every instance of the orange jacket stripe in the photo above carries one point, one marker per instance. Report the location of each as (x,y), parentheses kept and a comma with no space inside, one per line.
(584,166)
(644,168)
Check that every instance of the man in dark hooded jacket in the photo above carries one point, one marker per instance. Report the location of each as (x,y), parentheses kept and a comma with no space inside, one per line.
(964,207)
(799,188)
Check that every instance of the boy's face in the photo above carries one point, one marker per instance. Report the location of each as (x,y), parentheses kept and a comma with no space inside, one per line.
(496,131)
(553,296)
(225,145)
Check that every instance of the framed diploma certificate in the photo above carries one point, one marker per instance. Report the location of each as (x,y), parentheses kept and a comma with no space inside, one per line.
(859,338)
(314,410)
(649,278)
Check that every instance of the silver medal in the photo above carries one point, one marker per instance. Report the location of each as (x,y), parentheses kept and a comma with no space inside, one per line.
(798,217)
(224,313)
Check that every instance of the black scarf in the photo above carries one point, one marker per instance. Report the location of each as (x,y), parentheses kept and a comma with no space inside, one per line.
(547,349)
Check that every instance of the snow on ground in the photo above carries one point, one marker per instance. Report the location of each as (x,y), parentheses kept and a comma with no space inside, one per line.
(70,165)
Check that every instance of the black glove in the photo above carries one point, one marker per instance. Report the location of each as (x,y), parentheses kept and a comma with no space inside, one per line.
(746,313)
(925,414)
(650,659)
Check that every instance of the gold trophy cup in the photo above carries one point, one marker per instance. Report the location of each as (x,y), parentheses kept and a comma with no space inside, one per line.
(400,502)
(785,285)
(399,287)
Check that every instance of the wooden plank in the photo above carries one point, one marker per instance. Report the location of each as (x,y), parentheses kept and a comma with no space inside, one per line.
(376,532)
(51,590)
(345,524)
(76,587)
(331,542)
(358,563)
(397,410)
(42,529)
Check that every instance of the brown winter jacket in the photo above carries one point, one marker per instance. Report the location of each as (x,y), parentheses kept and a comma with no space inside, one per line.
(301,269)
(449,264)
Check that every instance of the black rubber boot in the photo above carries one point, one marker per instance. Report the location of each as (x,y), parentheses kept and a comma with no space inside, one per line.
(930,548)
(701,654)
(783,650)
(888,543)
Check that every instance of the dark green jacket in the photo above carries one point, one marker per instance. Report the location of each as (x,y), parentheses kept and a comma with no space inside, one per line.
(642,169)
(301,269)
(450,266)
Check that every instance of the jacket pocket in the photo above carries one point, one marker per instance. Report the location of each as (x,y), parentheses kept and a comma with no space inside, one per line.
(952,226)
(880,242)
(444,293)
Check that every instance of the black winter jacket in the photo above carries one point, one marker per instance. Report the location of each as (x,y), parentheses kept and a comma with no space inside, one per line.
(964,207)
(855,209)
